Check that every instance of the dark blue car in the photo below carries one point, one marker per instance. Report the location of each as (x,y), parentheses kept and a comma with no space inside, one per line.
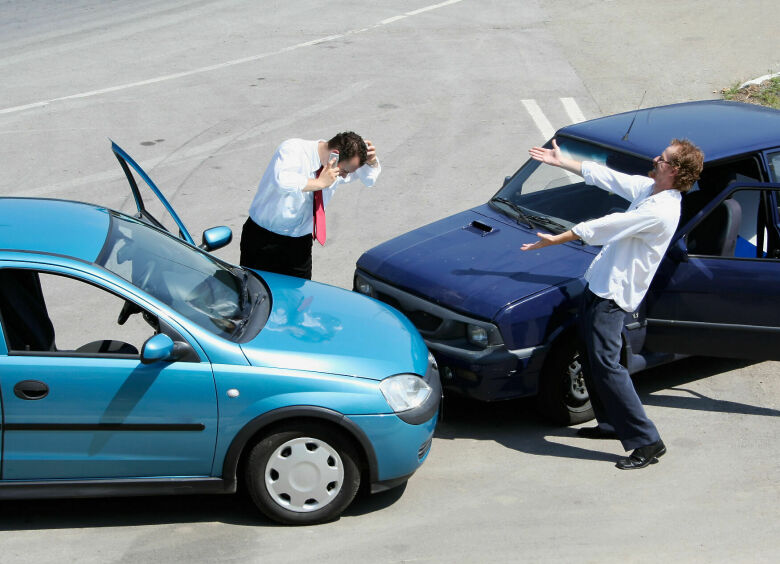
(501,323)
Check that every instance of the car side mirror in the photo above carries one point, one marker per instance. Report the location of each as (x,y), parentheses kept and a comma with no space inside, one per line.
(679,251)
(156,348)
(216,238)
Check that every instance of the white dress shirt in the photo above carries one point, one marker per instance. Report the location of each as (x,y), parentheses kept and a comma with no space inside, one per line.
(280,204)
(634,241)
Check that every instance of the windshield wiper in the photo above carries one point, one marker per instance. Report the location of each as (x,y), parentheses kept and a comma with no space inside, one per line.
(244,290)
(517,209)
(241,323)
(546,221)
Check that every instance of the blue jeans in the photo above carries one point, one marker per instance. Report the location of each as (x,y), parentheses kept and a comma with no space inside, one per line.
(615,402)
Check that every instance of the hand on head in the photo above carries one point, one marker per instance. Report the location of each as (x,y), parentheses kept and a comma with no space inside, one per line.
(371,153)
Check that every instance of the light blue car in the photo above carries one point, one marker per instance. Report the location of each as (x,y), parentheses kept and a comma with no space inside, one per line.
(134,363)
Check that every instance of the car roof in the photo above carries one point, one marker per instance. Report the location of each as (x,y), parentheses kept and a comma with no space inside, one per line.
(720,128)
(61,227)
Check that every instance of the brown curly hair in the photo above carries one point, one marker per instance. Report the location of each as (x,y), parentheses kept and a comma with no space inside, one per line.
(349,144)
(688,160)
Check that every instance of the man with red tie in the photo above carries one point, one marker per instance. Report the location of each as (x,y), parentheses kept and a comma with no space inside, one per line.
(288,210)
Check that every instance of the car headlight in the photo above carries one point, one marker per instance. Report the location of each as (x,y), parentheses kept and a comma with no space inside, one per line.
(477,335)
(363,286)
(405,391)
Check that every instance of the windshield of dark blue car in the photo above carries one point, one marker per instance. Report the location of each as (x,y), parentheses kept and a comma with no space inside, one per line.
(555,199)
(217,296)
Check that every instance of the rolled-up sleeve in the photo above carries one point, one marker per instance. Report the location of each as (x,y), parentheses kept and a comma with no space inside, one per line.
(368,174)
(612,227)
(626,185)
(288,166)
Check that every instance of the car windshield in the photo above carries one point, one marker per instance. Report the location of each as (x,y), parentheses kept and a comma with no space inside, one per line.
(555,199)
(213,294)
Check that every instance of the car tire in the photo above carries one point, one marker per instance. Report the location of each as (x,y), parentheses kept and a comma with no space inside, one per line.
(563,398)
(303,474)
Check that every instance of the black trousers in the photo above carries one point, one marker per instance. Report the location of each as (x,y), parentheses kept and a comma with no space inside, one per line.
(265,250)
(612,394)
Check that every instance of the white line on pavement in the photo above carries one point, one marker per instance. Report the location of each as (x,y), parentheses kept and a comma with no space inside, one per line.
(571,107)
(541,121)
(225,64)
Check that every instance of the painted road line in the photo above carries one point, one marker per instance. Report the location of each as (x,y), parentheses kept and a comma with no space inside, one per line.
(573,110)
(541,121)
(226,64)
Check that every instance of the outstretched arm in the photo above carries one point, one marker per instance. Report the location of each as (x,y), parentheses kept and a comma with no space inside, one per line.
(555,157)
(545,240)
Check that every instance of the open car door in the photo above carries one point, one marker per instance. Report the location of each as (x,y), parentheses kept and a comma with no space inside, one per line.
(144,214)
(722,298)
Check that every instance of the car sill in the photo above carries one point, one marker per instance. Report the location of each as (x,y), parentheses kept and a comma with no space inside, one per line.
(22,489)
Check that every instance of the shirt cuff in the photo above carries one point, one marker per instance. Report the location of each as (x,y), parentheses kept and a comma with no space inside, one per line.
(368,174)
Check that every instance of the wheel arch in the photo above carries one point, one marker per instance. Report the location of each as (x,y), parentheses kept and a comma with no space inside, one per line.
(262,424)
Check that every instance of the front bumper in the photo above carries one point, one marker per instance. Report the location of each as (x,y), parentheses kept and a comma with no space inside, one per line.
(401,441)
(500,374)
(487,374)
(400,448)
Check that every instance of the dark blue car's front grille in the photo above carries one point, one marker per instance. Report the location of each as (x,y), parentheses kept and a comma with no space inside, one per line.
(424,321)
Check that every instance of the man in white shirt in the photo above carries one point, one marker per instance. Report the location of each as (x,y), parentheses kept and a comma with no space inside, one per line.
(633,244)
(277,236)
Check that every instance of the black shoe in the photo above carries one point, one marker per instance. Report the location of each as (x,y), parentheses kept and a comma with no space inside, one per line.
(642,456)
(596,433)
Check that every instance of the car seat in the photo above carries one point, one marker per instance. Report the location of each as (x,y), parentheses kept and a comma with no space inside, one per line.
(716,234)
(23,309)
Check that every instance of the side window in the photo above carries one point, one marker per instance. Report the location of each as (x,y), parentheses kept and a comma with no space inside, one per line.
(742,226)
(57,314)
(774,166)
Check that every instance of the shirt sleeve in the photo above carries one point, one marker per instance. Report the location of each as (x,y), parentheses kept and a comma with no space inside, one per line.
(367,174)
(290,168)
(625,185)
(604,230)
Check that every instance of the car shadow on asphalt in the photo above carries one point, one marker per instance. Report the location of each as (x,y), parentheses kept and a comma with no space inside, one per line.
(24,515)
(235,509)
(516,425)
(232,509)
(674,377)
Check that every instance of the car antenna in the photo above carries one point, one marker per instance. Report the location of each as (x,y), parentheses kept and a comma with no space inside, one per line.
(625,137)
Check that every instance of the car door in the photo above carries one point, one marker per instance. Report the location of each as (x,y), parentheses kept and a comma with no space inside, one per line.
(718,302)
(77,400)
(163,215)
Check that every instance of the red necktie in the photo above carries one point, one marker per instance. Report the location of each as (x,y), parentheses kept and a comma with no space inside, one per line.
(319,215)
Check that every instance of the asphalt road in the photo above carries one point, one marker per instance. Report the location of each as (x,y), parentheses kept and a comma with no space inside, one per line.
(452,94)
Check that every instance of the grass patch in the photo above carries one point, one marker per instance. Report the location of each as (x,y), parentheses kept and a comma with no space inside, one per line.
(765,94)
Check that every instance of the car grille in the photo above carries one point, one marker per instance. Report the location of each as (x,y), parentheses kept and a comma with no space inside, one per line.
(424,321)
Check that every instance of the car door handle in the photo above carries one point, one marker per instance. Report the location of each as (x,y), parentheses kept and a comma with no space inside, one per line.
(31,390)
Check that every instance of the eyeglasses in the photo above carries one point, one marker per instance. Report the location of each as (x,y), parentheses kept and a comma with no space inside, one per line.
(663,160)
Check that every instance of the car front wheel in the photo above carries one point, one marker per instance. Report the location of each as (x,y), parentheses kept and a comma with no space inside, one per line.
(303,474)
(563,397)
